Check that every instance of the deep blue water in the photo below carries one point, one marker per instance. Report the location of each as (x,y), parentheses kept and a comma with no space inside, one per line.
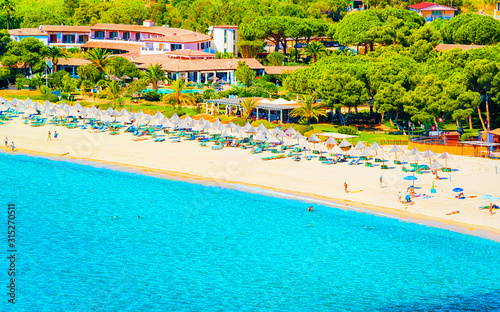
(205,248)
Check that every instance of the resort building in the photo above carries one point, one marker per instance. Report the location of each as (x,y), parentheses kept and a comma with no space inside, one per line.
(137,39)
(431,11)
(225,38)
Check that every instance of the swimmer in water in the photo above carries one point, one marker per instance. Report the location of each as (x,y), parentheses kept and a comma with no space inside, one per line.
(310,208)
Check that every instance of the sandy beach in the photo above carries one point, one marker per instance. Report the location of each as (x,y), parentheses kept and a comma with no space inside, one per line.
(188,159)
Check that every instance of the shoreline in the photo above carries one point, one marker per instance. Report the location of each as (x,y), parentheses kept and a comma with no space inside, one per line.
(436,222)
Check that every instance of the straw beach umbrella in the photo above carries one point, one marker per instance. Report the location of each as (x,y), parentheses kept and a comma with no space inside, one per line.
(446,156)
(298,137)
(360,146)
(414,151)
(395,149)
(331,142)
(336,150)
(345,143)
(429,154)
(435,165)
(291,131)
(352,152)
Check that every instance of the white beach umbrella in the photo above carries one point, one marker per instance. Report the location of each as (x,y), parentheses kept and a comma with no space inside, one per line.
(107,118)
(305,145)
(272,139)
(46,111)
(403,157)
(336,150)
(15,101)
(352,152)
(78,106)
(416,158)
(123,119)
(147,117)
(414,152)
(275,131)
(429,154)
(154,122)
(446,156)
(251,130)
(109,111)
(259,137)
(344,143)
(91,115)
(139,122)
(181,124)
(224,134)
(360,146)
(247,126)
(241,135)
(61,113)
(261,127)
(435,165)
(375,147)
(383,156)
(366,152)
(297,136)
(84,111)
(28,102)
(124,112)
(291,131)
(266,132)
(188,119)
(141,114)
(36,106)
(21,107)
(331,141)
(208,126)
(30,111)
(231,125)
(158,115)
(395,149)
(132,116)
(3,108)
(314,139)
(114,113)
(201,120)
(281,135)
(197,127)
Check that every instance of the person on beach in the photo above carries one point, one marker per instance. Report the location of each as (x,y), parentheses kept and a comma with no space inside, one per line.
(12,146)
(345,187)
(310,208)
(6,142)
(452,213)
(55,135)
(380,181)
(491,208)
(399,197)
(49,138)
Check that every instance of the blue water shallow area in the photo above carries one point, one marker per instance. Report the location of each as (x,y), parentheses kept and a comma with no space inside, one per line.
(206,248)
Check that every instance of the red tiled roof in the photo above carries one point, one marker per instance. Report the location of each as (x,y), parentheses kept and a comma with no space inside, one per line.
(226,26)
(166,31)
(130,47)
(179,65)
(428,5)
(26,32)
(73,62)
(189,52)
(64,28)
(446,47)
(187,38)
(278,70)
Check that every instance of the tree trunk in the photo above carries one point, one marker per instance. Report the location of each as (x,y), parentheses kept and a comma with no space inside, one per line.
(382,119)
(284,45)
(481,118)
(458,125)
(435,122)
(366,48)
(487,114)
(8,20)
(296,50)
(470,122)
(371,46)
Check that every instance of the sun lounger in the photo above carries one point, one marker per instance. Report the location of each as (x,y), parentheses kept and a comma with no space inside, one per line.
(217,147)
(176,140)
(309,157)
(159,139)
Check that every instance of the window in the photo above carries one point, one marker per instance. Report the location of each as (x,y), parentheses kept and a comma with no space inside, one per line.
(82,38)
(234,35)
(175,47)
(99,34)
(126,36)
(53,38)
(137,37)
(225,35)
(203,45)
(113,35)
(437,13)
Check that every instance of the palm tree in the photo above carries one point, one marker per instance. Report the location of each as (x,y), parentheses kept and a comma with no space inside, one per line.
(54,53)
(114,91)
(177,98)
(8,6)
(315,50)
(98,57)
(248,105)
(308,109)
(155,74)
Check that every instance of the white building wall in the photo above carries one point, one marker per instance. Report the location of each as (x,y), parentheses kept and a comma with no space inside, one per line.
(225,39)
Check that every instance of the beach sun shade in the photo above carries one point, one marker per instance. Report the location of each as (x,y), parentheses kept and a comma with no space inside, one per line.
(147,117)
(109,111)
(291,131)
(352,152)
(414,151)
(139,122)
(383,156)
(298,136)
(251,130)
(429,154)
(231,125)
(331,141)
(360,146)
(375,146)
(31,111)
(261,127)
(266,132)
(410,178)
(344,143)
(314,139)
(197,128)
(272,139)
(435,165)
(141,114)
(366,152)
(114,113)
(224,134)
(259,137)
(247,126)
(458,189)
(336,150)
(416,158)
(158,115)
(446,156)
(395,149)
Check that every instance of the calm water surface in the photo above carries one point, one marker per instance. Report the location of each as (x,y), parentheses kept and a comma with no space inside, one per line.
(82,247)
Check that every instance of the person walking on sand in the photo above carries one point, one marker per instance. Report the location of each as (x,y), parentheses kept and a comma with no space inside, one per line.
(345,187)
(12,146)
(49,137)
(491,208)
(6,142)
(55,135)
(380,181)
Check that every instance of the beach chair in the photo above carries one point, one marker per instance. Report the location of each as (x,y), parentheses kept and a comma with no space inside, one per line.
(309,157)
(204,144)
(159,139)
(176,140)
(352,162)
(217,147)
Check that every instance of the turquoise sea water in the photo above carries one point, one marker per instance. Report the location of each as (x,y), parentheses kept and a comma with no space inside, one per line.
(205,248)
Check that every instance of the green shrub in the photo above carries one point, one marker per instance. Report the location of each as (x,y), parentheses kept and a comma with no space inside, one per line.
(239,121)
(351,130)
(21,82)
(468,136)
(152,96)
(51,98)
